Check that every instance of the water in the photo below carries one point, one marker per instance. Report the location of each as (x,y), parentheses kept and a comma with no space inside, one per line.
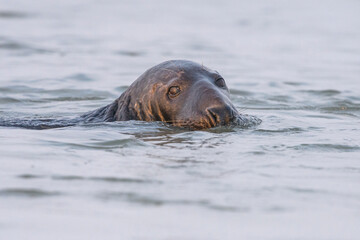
(294,64)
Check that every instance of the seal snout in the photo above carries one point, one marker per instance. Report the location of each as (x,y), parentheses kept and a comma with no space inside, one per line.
(220,115)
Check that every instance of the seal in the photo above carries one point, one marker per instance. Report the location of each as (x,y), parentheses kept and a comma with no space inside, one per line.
(179,92)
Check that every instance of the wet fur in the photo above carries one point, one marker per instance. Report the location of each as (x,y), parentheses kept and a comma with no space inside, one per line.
(144,101)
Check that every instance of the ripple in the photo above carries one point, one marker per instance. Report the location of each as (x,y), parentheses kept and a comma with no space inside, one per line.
(48,100)
(9,100)
(326,147)
(69,99)
(129,53)
(237,92)
(152,201)
(38,124)
(108,179)
(327,116)
(122,180)
(27,192)
(21,48)
(112,144)
(62,94)
(30,176)
(281,130)
(276,209)
(295,83)
(280,98)
(201,47)
(13,15)
(302,190)
(327,92)
(341,105)
(258,153)
(81,77)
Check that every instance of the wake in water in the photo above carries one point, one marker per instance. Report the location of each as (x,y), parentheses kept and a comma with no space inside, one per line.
(246,121)
(37,123)
(243,121)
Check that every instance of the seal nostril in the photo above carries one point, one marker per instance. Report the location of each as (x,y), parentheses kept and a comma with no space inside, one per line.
(221,115)
(232,116)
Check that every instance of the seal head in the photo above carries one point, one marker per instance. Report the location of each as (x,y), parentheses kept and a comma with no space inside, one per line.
(179,92)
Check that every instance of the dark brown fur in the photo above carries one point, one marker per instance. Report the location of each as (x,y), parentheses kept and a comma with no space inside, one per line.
(202,103)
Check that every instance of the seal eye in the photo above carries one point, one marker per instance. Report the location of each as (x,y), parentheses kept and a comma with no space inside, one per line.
(174,91)
(220,82)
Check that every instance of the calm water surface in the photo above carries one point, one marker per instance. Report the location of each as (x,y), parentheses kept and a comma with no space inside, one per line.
(294,64)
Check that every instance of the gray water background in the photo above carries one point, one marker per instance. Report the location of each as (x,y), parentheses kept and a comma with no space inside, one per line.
(294,64)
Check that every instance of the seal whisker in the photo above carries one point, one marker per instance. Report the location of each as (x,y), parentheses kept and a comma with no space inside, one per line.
(242,110)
